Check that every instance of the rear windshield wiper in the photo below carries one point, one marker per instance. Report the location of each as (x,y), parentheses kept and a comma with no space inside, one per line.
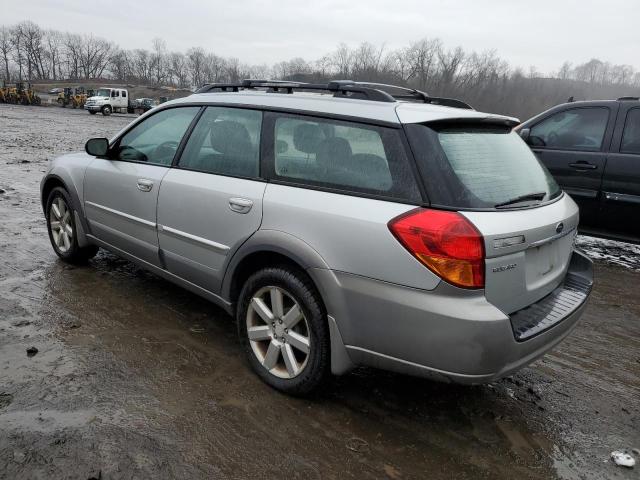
(522,198)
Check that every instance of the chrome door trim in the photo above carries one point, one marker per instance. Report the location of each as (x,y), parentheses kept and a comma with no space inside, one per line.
(622,197)
(122,214)
(219,247)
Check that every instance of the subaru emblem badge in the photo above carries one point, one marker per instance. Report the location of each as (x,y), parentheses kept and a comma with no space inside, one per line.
(559,227)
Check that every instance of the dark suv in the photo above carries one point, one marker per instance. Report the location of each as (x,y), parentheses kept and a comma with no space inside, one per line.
(592,148)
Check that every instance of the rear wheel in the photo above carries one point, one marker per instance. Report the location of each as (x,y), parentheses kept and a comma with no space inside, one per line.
(61,226)
(92,112)
(283,327)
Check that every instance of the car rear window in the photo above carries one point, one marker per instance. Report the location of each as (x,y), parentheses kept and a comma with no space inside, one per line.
(475,166)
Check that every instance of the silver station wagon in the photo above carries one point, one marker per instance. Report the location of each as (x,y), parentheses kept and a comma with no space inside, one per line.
(341,224)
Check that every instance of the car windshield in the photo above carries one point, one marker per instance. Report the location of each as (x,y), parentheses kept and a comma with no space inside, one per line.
(103,92)
(479,167)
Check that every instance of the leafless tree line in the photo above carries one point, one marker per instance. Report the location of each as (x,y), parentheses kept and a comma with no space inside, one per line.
(28,52)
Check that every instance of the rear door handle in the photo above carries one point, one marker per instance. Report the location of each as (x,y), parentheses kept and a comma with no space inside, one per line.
(240,205)
(145,185)
(583,165)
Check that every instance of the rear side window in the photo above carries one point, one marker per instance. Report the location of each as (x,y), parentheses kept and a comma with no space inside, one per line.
(478,166)
(225,141)
(631,135)
(574,129)
(343,155)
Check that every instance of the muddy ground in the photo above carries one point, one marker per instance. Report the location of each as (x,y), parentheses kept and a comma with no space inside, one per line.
(136,378)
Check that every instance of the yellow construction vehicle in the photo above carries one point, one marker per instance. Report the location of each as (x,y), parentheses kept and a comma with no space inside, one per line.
(26,96)
(74,97)
(11,94)
(3,92)
(79,97)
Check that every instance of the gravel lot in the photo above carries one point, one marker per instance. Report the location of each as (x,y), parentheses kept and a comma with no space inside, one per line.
(136,378)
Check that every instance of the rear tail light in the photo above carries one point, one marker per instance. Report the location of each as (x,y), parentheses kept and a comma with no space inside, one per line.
(446,242)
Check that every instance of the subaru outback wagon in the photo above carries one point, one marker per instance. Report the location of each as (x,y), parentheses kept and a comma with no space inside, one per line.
(341,224)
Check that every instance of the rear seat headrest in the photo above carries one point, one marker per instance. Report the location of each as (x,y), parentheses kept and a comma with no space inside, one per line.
(307,137)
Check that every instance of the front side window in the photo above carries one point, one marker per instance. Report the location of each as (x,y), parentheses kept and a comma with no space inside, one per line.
(479,167)
(631,135)
(574,129)
(156,139)
(225,141)
(343,155)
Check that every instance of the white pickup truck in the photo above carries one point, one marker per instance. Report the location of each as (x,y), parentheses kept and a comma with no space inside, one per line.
(108,101)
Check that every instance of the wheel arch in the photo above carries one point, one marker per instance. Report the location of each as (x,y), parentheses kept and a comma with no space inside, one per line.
(52,181)
(271,247)
(264,248)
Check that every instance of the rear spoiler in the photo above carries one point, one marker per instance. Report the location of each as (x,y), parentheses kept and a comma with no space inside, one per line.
(491,120)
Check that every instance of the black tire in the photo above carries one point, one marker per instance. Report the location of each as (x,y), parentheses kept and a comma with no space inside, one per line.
(106,110)
(92,112)
(75,254)
(299,287)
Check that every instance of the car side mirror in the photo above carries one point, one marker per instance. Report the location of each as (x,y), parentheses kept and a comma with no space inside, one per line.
(524,134)
(97,147)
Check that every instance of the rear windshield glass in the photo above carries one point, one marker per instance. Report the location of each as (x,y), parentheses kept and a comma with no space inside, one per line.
(479,167)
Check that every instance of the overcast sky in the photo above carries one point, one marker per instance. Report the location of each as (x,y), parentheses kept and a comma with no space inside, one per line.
(543,33)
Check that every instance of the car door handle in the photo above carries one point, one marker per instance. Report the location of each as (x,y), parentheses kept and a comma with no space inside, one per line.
(583,166)
(240,205)
(145,185)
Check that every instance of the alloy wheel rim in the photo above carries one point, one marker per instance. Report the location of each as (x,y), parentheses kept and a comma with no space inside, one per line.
(60,223)
(278,332)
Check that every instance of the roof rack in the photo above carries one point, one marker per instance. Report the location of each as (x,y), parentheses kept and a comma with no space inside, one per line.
(413,94)
(628,98)
(340,88)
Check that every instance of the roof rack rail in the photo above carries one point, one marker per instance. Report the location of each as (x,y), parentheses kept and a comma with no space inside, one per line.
(622,99)
(415,94)
(341,88)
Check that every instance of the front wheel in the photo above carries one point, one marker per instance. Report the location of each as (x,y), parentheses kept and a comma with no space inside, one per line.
(61,226)
(283,327)
(106,110)
(92,112)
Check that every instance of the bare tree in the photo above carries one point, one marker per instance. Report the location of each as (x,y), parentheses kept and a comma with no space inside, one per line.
(158,60)
(178,69)
(6,48)
(196,66)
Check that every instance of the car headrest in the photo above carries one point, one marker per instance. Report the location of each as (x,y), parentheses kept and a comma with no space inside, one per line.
(230,138)
(307,137)
(333,151)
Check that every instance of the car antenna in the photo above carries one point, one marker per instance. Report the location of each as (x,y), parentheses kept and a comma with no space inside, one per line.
(570,99)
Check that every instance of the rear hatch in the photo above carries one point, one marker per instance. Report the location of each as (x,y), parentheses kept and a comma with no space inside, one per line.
(488,174)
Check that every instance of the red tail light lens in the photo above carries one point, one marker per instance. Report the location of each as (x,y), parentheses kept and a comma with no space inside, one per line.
(446,242)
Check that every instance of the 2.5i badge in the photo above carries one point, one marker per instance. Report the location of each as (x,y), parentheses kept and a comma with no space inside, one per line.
(502,268)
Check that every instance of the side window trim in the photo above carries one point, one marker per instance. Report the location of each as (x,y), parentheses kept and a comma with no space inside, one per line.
(192,127)
(606,135)
(185,137)
(115,143)
(267,166)
(624,129)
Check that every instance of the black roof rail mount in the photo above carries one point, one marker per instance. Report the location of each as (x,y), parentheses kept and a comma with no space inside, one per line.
(622,99)
(341,88)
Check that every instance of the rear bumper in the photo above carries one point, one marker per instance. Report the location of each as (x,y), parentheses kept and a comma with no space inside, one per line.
(448,334)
